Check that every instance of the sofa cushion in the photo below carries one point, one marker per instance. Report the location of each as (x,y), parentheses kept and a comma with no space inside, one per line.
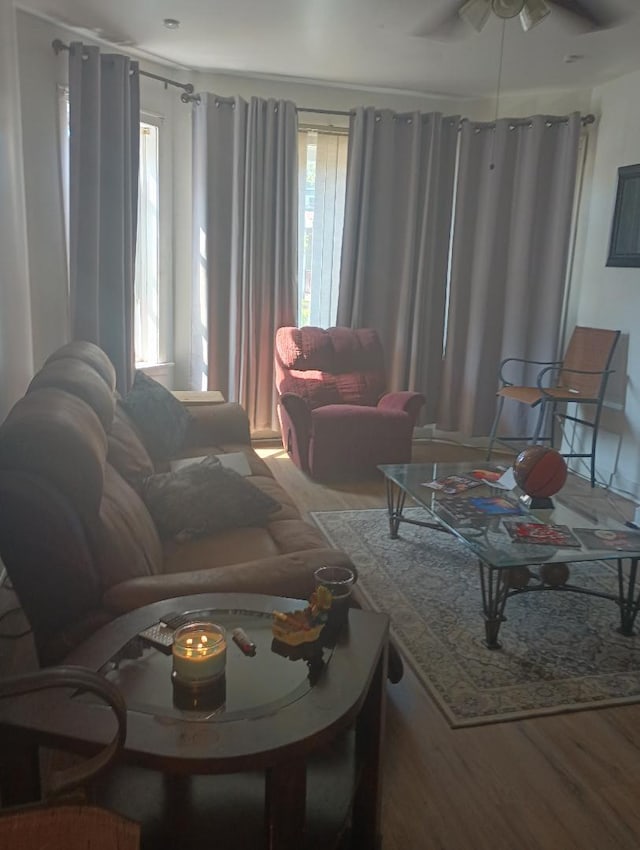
(203,498)
(56,436)
(124,541)
(333,366)
(161,419)
(126,450)
(80,379)
(91,354)
(232,460)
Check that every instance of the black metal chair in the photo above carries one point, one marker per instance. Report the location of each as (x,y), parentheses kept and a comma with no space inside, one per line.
(580,379)
(65,821)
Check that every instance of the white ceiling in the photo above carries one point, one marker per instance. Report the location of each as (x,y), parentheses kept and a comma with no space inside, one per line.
(367,43)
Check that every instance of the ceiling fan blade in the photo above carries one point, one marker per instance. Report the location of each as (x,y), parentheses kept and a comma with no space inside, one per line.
(445,24)
(596,14)
(533,13)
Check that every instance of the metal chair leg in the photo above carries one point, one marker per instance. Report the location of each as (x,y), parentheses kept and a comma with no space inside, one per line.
(494,427)
(539,423)
(594,441)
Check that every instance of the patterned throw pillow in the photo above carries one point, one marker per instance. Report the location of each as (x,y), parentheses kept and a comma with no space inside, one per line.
(161,419)
(202,498)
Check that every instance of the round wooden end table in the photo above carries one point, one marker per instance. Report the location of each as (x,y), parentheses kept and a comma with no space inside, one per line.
(277,708)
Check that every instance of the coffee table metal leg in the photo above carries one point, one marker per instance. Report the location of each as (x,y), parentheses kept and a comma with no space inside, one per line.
(629,599)
(495,587)
(395,503)
(285,799)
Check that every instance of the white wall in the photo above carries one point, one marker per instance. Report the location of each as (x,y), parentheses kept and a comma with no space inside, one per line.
(610,297)
(542,102)
(15,326)
(45,224)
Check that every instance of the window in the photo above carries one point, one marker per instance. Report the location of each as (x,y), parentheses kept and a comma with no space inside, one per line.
(146,286)
(322,156)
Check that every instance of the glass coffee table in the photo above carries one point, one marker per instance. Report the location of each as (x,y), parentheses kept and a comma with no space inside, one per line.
(480,516)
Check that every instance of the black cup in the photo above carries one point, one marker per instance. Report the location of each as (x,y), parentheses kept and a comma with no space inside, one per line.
(339,582)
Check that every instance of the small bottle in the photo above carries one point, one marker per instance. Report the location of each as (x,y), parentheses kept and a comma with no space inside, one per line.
(245,643)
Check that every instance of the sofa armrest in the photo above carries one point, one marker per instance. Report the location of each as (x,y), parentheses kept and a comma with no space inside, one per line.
(213,424)
(408,401)
(280,575)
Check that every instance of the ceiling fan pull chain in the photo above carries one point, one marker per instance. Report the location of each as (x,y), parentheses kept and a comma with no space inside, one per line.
(495,119)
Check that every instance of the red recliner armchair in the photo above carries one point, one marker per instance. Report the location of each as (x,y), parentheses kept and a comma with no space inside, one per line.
(336,418)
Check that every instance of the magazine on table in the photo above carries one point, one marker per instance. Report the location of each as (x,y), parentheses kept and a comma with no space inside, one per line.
(452,484)
(496,476)
(546,535)
(609,538)
(480,507)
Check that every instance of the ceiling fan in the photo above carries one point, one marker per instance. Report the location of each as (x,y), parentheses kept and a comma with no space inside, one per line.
(587,14)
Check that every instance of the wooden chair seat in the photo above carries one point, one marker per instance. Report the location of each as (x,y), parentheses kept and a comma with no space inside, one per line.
(68,827)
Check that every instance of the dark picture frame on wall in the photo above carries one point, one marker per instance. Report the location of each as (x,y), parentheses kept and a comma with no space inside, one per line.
(624,245)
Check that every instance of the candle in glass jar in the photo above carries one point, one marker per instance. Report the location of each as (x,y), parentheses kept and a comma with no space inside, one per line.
(199,652)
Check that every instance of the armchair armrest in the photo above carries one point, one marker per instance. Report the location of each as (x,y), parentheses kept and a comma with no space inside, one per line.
(604,373)
(298,411)
(212,424)
(295,423)
(406,400)
(501,367)
(69,676)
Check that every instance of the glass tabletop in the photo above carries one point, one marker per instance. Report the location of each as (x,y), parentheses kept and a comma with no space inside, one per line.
(481,515)
(252,686)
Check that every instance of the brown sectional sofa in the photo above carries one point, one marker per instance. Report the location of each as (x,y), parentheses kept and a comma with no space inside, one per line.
(78,542)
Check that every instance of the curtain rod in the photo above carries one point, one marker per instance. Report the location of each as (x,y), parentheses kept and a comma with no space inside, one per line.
(185,97)
(585,119)
(520,122)
(188,96)
(323,111)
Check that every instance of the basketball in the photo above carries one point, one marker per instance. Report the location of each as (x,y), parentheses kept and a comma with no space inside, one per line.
(554,575)
(518,576)
(540,471)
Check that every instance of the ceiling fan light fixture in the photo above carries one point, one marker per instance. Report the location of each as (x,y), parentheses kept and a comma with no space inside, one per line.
(507,8)
(476,12)
(533,12)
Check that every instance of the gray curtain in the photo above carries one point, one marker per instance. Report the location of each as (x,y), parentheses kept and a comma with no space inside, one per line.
(245,179)
(104,150)
(512,222)
(400,174)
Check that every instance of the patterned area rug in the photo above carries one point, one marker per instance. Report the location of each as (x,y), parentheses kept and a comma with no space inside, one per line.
(560,651)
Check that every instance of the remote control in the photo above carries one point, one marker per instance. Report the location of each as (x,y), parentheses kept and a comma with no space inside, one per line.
(160,635)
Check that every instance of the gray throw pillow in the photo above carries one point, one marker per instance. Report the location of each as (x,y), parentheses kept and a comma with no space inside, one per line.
(158,415)
(203,498)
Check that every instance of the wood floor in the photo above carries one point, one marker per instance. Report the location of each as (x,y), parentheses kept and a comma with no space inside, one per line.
(568,782)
